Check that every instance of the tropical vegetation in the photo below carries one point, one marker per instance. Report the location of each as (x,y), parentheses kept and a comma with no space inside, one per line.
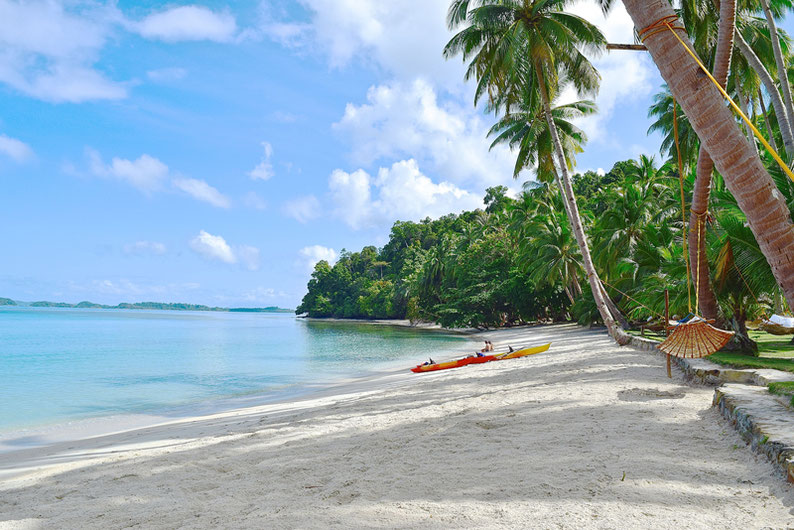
(603,247)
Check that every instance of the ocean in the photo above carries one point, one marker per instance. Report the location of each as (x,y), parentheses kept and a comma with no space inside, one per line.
(62,365)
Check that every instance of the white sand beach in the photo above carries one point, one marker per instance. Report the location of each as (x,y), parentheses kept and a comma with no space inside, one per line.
(586,435)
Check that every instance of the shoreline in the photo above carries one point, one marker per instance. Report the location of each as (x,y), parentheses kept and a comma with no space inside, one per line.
(140,430)
(403,323)
(40,437)
(585,435)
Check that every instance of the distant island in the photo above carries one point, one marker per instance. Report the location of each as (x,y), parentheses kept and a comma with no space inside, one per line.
(147,305)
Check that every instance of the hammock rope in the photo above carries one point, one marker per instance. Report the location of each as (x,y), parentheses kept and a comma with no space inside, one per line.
(607,284)
(683,207)
(695,337)
(667,23)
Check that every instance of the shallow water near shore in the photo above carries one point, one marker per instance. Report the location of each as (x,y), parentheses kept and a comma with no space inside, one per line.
(62,365)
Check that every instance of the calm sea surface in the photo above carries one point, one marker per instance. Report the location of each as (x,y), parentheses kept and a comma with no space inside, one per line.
(58,365)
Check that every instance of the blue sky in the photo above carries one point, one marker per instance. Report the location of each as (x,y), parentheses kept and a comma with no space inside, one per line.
(212,152)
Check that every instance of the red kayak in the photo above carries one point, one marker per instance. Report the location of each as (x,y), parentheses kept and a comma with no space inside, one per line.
(477,360)
(452,364)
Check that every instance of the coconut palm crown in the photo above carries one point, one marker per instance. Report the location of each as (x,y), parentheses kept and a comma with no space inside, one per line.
(526,131)
(505,40)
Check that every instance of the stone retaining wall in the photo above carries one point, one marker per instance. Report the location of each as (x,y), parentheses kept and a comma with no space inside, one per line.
(761,421)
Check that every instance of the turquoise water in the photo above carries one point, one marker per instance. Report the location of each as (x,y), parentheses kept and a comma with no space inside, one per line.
(58,365)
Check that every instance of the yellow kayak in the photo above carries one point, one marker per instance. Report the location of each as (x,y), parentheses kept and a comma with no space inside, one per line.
(522,353)
(478,360)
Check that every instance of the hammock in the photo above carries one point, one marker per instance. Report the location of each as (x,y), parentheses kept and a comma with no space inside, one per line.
(695,338)
(778,325)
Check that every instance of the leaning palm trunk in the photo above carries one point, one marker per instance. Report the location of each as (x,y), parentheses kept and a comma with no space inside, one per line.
(620,336)
(783,119)
(782,70)
(733,156)
(770,136)
(707,301)
(611,306)
(705,167)
(614,309)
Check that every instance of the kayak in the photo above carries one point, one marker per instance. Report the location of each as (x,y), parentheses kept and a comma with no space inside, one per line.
(452,364)
(523,353)
(457,363)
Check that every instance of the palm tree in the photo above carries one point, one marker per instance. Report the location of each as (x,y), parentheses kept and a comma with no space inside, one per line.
(521,43)
(662,110)
(527,132)
(552,255)
(633,208)
(733,156)
(782,70)
(783,118)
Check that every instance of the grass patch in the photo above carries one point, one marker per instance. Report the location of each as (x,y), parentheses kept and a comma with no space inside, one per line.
(783,388)
(773,345)
(740,360)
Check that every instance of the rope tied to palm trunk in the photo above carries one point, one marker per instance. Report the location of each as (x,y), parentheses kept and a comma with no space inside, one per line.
(668,23)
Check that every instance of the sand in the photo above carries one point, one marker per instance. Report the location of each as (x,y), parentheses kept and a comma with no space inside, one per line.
(586,435)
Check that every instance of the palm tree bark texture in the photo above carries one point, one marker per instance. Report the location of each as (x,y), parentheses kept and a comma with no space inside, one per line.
(620,336)
(705,167)
(733,156)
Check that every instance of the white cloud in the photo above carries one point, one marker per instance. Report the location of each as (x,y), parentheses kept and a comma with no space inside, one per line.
(407,121)
(253,200)
(399,192)
(148,174)
(425,110)
(403,38)
(248,256)
(49,53)
(124,290)
(315,253)
(119,287)
(187,23)
(261,294)
(216,248)
(263,170)
(145,247)
(352,197)
(15,149)
(213,247)
(201,191)
(164,75)
(145,173)
(49,49)
(303,209)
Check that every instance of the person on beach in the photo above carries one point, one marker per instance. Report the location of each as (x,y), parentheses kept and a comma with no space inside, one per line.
(488,346)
